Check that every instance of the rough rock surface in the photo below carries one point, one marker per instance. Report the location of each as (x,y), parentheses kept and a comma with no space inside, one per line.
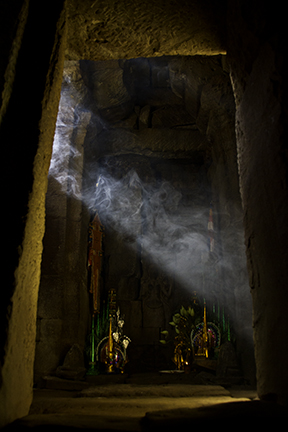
(73,366)
(147,407)
(104,29)
(256,52)
(150,125)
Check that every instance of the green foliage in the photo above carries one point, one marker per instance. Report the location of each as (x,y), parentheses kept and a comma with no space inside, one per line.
(186,319)
(191,311)
(165,332)
(182,323)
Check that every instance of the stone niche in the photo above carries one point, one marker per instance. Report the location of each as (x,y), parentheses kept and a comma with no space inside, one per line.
(150,144)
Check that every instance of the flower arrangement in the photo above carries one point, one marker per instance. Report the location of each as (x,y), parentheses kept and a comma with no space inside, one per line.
(195,336)
(183,323)
(117,334)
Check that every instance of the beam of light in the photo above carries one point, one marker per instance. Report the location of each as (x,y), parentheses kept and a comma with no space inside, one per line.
(149,215)
(172,236)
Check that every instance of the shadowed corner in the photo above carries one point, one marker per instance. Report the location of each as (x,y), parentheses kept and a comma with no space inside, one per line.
(240,412)
(193,124)
(171,227)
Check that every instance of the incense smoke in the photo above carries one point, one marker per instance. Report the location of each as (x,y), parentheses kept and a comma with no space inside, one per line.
(153,215)
(170,233)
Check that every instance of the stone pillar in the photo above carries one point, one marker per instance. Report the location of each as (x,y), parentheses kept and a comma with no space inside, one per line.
(229,241)
(63,306)
(260,87)
(32,83)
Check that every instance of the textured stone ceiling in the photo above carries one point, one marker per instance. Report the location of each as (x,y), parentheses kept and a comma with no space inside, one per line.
(118,29)
(170,107)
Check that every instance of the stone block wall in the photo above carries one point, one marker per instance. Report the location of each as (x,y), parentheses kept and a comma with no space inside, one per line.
(27,146)
(157,136)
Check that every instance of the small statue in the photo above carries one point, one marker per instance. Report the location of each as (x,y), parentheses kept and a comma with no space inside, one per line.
(113,347)
(178,356)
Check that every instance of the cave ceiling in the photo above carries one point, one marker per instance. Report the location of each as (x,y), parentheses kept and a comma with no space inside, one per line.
(111,29)
(172,106)
(151,74)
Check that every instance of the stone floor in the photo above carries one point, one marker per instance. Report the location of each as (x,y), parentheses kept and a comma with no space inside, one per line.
(143,403)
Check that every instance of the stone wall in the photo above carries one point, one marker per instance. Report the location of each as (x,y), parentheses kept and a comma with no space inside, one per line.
(257,73)
(104,29)
(63,304)
(27,138)
(254,33)
(158,137)
(153,243)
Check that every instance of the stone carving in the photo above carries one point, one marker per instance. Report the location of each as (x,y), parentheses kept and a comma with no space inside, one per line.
(73,367)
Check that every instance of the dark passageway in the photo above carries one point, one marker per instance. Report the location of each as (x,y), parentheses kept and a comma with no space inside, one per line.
(168,121)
